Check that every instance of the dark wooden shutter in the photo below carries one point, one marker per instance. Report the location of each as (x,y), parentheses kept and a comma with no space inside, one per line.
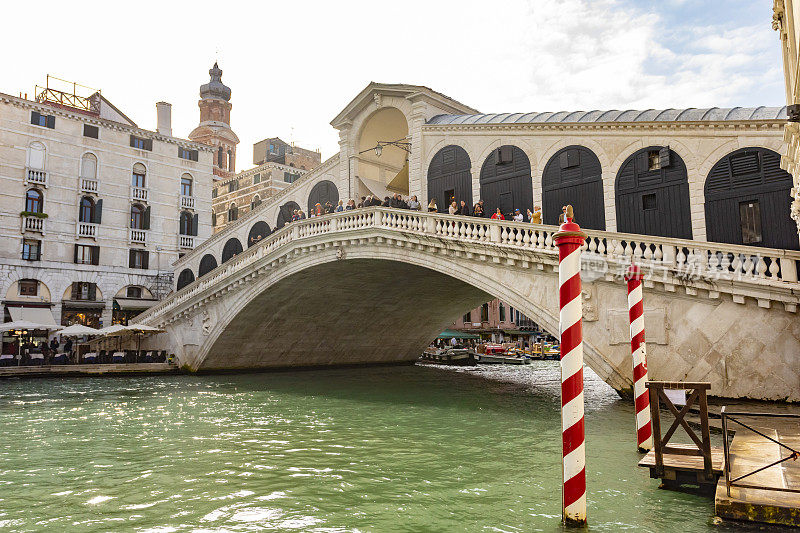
(195,155)
(51,122)
(663,157)
(92,291)
(75,257)
(563,159)
(131,255)
(74,292)
(145,259)
(133,141)
(180,151)
(148,144)
(35,117)
(98,212)
(195,223)
(95,255)
(146,218)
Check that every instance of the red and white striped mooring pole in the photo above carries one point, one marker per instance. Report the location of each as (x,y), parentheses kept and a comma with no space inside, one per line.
(569,239)
(644,431)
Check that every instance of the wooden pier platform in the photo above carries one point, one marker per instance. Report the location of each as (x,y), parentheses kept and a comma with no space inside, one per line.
(772,495)
(123,369)
(684,469)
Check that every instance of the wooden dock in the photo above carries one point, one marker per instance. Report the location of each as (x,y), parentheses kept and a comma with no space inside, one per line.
(123,369)
(683,469)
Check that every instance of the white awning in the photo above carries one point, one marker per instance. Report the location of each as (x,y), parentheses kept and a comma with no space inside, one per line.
(37,315)
(376,188)
(134,303)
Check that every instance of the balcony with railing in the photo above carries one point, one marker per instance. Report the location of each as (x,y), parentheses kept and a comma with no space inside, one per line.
(187,202)
(34,176)
(32,223)
(138,236)
(186,242)
(89,185)
(87,229)
(139,194)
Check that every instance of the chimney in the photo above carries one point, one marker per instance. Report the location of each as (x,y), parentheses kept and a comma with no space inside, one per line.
(164,115)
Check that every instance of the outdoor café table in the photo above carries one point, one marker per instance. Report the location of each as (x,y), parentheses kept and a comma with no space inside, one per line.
(118,357)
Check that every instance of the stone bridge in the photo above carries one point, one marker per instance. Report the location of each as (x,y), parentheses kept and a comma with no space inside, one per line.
(377,285)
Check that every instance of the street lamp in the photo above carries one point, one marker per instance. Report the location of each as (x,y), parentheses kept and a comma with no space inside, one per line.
(399,143)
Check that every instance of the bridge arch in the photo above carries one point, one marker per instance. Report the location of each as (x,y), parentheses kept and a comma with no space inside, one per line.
(652,194)
(450,175)
(747,197)
(285,214)
(573,175)
(387,167)
(231,249)
(259,231)
(506,181)
(207,264)
(185,278)
(324,191)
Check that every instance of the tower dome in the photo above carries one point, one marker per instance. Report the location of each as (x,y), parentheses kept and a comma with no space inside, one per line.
(215,88)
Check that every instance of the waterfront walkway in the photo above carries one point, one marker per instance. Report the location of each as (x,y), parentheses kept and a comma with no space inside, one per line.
(124,369)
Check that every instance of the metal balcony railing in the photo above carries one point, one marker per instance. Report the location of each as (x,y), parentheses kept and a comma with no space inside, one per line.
(35,176)
(87,229)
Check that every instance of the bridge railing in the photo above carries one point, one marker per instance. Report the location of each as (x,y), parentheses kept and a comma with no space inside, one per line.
(674,259)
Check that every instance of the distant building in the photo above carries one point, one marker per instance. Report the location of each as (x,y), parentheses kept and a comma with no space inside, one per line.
(497,321)
(215,124)
(277,151)
(236,196)
(94,208)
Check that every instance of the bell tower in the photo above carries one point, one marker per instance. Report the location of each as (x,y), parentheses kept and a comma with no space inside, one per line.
(215,123)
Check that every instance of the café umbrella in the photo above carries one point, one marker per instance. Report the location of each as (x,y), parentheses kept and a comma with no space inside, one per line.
(78,330)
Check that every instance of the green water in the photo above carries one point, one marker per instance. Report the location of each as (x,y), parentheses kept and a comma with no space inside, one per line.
(375,449)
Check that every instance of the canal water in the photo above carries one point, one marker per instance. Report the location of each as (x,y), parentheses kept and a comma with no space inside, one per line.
(370,449)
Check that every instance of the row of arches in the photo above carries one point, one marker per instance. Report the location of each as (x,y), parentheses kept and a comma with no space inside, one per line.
(746,192)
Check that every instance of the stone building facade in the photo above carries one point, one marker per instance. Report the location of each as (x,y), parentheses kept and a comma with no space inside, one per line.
(215,124)
(278,151)
(94,208)
(496,321)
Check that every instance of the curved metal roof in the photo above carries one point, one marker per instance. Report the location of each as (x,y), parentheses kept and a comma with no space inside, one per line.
(690,114)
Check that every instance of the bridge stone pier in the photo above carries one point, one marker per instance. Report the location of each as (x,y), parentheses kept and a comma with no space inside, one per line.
(377,285)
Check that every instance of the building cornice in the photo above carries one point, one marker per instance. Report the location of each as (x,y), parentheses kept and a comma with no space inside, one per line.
(613,126)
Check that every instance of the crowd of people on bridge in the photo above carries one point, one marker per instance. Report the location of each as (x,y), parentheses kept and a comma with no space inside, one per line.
(397,201)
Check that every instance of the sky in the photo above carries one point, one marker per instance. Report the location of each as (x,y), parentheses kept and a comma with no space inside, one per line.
(294,65)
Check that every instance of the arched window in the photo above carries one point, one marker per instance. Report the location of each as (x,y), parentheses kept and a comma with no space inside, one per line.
(186,185)
(221,157)
(185,278)
(231,249)
(506,181)
(230,160)
(139,175)
(34,201)
(207,264)
(233,213)
(256,202)
(323,192)
(259,230)
(574,176)
(89,166)
(186,223)
(137,216)
(450,176)
(86,210)
(36,153)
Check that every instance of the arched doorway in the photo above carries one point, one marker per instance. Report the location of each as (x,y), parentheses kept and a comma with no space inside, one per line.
(207,264)
(747,200)
(324,191)
(387,167)
(185,278)
(260,230)
(652,194)
(231,249)
(506,181)
(285,214)
(574,176)
(450,177)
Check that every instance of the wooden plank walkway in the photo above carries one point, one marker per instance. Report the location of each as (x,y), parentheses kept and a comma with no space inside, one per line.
(124,369)
(749,452)
(681,469)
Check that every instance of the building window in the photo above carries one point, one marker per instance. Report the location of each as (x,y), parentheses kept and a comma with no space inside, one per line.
(86,211)
(213,219)
(133,292)
(185,153)
(87,255)
(485,312)
(256,178)
(233,186)
(649,202)
(214,192)
(137,216)
(28,287)
(750,220)
(185,223)
(468,318)
(141,144)
(653,160)
(91,131)
(233,213)
(221,157)
(89,166)
(36,153)
(256,202)
(502,313)
(31,250)
(45,121)
(289,177)
(138,178)
(82,290)
(230,161)
(34,201)
(138,259)
(186,185)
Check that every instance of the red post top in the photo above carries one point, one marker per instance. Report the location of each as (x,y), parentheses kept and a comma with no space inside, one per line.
(569,233)
(634,273)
